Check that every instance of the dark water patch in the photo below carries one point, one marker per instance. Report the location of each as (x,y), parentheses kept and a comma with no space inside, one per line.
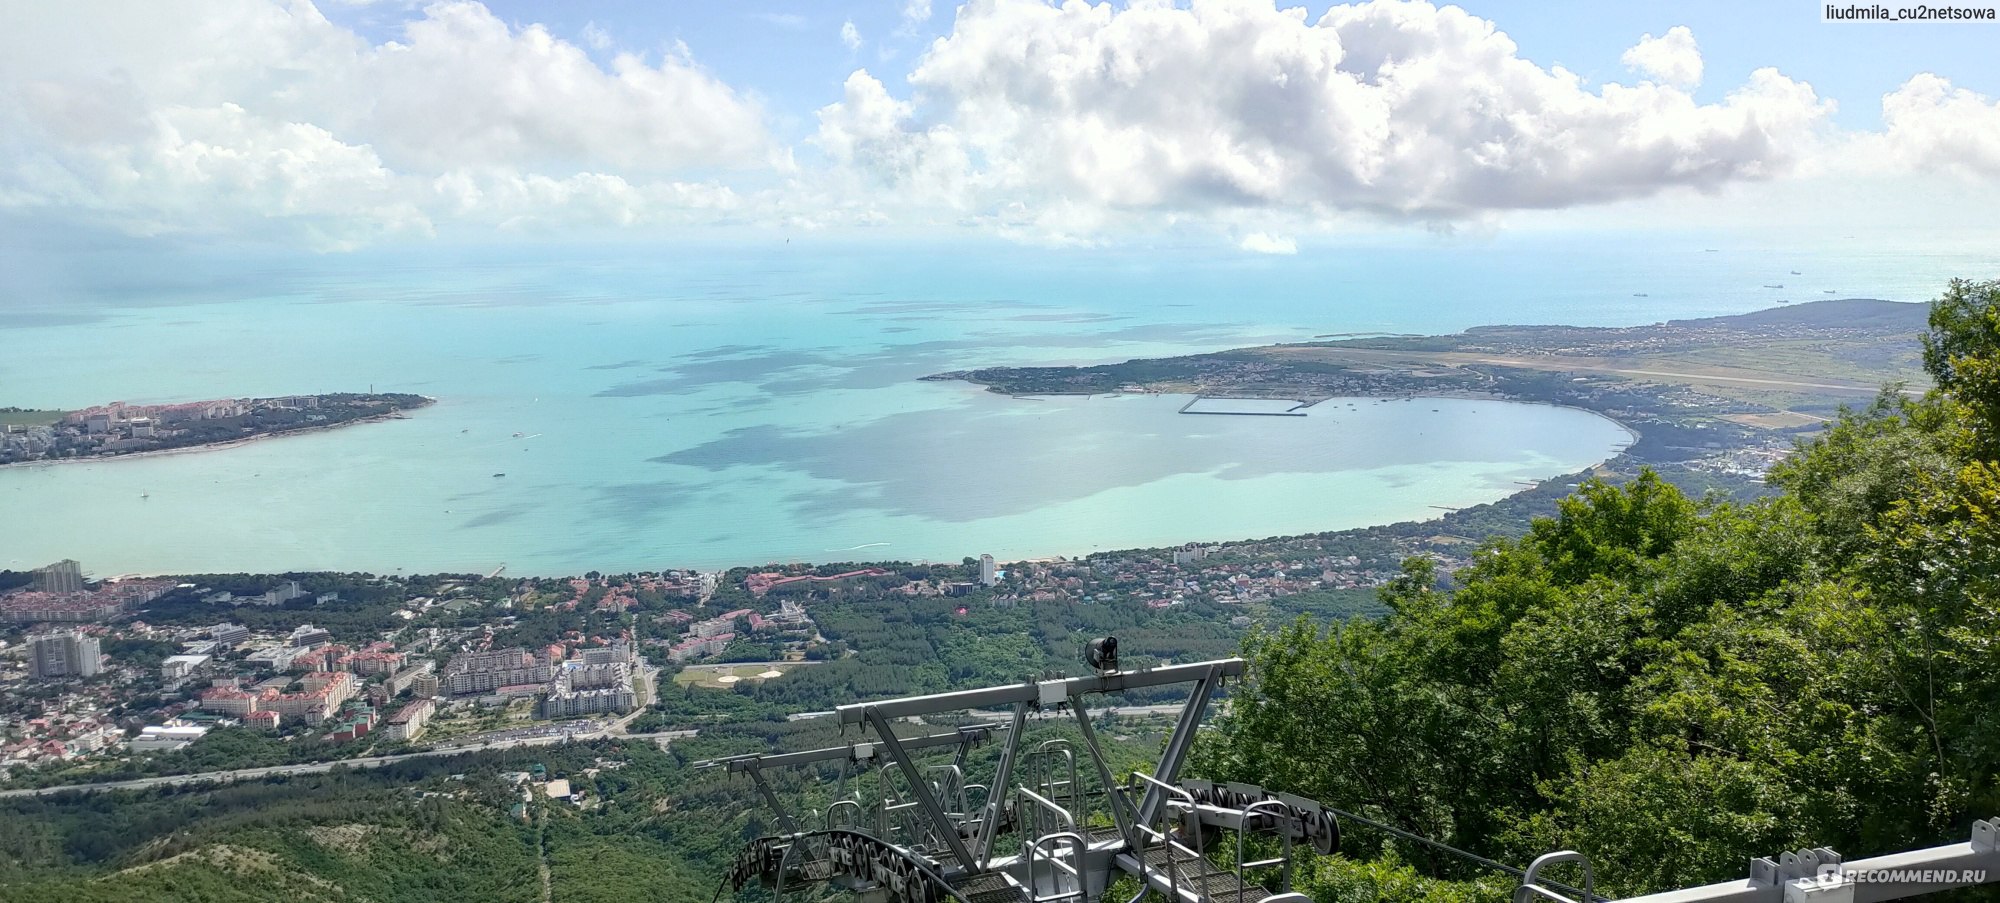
(1066,318)
(640,504)
(621,365)
(492,518)
(29,319)
(996,460)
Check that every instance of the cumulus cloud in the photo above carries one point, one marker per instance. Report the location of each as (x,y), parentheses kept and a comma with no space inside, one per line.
(1070,123)
(283,115)
(1671,58)
(1264,243)
(1392,108)
(1931,125)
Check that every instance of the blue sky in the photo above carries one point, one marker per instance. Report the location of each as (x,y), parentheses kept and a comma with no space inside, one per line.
(792,52)
(351,124)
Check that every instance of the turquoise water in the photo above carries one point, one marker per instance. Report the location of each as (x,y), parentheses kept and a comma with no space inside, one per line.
(728,406)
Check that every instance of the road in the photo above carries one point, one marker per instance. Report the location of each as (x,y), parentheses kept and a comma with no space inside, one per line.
(252,774)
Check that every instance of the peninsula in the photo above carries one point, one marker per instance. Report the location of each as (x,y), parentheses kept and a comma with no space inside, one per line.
(1713,402)
(119,429)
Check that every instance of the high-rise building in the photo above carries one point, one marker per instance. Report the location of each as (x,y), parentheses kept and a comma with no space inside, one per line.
(65,576)
(63,655)
(989,574)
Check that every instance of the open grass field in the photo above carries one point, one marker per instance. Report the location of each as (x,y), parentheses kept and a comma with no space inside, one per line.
(30,418)
(718,677)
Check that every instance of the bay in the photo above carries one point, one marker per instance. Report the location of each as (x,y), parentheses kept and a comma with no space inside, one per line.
(722,406)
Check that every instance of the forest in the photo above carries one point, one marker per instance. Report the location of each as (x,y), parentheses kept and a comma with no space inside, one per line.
(1674,687)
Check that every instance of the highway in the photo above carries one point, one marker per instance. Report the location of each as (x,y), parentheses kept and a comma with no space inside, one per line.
(252,774)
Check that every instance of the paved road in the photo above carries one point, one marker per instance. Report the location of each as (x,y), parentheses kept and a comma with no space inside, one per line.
(252,774)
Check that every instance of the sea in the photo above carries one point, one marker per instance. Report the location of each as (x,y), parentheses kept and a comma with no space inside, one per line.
(705,405)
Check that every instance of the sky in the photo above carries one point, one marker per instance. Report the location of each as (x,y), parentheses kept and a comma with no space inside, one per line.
(1241,125)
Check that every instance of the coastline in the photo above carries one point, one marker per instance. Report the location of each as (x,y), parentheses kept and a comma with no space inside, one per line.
(219,446)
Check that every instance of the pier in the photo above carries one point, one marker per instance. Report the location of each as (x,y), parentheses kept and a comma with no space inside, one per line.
(1296,410)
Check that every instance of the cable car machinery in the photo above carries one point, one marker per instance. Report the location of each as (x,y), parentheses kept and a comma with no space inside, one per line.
(933,836)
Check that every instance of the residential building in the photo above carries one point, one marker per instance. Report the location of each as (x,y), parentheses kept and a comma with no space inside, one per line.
(989,573)
(482,672)
(65,576)
(581,689)
(408,722)
(309,636)
(63,655)
(229,634)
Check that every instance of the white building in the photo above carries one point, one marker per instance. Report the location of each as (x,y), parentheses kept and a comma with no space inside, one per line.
(155,738)
(989,573)
(177,667)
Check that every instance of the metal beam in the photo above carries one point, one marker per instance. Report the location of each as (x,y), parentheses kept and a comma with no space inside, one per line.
(785,819)
(1861,881)
(743,763)
(1114,797)
(1045,692)
(946,829)
(996,793)
(1179,742)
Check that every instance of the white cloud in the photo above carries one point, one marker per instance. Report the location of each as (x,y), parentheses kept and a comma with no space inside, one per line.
(1067,124)
(1671,58)
(1391,108)
(250,117)
(1263,243)
(1930,125)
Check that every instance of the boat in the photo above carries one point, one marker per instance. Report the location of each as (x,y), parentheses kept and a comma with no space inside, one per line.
(1774,286)
(1797,273)
(499,475)
(1827,291)
(517,435)
(1638,294)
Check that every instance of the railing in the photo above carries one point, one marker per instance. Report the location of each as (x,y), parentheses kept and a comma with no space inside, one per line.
(1278,808)
(1044,817)
(1530,880)
(1075,844)
(1149,833)
(1051,770)
(843,806)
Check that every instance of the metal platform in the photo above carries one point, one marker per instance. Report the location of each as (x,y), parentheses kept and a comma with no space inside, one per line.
(1052,825)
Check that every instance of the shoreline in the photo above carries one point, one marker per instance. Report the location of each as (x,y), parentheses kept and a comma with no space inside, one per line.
(219,446)
(1520,488)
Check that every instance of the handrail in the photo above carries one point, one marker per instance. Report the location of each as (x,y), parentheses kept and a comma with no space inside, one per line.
(1067,820)
(954,787)
(1243,831)
(1173,867)
(837,805)
(1074,868)
(1529,889)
